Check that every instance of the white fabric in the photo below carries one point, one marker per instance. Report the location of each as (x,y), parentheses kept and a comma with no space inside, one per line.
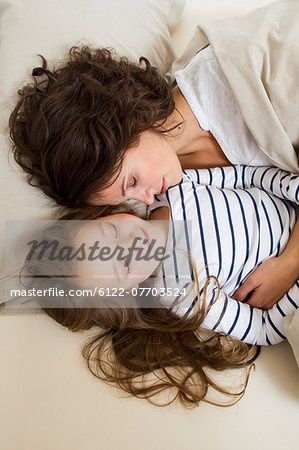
(211,99)
(134,28)
(258,54)
(235,226)
(291,325)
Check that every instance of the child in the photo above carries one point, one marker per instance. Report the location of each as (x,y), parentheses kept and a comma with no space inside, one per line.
(236,225)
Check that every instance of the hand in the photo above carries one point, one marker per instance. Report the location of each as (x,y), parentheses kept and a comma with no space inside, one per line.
(268,284)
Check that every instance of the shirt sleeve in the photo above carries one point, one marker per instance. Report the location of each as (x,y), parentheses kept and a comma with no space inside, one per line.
(242,321)
(275,181)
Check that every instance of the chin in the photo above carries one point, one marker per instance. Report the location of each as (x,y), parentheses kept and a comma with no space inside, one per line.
(178,179)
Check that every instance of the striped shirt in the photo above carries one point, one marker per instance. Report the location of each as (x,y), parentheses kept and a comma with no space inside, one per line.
(229,220)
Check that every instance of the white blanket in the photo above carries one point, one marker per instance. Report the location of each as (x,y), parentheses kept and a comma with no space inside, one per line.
(259,55)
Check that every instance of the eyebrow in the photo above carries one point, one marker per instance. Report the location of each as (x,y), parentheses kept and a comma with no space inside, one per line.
(115,229)
(123,191)
(101,225)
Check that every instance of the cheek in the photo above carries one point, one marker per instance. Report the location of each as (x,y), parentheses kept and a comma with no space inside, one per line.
(168,158)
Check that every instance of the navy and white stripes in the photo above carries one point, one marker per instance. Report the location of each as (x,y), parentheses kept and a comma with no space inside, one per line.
(236,223)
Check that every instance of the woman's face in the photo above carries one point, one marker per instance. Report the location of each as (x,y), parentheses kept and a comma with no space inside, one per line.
(131,255)
(149,168)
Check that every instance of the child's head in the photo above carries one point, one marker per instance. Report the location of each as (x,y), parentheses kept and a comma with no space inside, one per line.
(77,128)
(122,251)
(113,253)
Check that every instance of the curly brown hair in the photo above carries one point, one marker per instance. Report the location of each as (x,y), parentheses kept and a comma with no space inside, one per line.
(72,126)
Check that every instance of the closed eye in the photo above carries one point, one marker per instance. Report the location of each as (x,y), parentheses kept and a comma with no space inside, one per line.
(115,229)
(135,182)
(132,186)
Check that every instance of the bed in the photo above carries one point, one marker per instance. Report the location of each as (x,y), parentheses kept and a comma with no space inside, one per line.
(49,399)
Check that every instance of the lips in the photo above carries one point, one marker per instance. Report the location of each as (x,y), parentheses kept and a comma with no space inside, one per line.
(164,186)
(146,235)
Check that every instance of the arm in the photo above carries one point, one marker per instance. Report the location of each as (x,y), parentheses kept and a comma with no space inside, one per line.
(272,279)
(249,324)
(271,179)
(275,276)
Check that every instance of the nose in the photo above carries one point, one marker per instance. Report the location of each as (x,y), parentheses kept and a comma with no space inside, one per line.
(148,198)
(146,195)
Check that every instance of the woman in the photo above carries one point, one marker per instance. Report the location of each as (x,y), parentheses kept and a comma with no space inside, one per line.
(101,130)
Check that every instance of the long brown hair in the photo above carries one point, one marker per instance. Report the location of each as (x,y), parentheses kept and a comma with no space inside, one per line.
(147,351)
(73,125)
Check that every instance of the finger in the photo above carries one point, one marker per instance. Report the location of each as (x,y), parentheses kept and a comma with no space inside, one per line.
(244,291)
(256,300)
(261,300)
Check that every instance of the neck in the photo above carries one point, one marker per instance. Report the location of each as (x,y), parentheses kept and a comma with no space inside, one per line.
(161,213)
(160,218)
(195,147)
(187,137)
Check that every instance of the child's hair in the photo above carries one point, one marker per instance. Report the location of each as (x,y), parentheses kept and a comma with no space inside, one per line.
(145,351)
(72,127)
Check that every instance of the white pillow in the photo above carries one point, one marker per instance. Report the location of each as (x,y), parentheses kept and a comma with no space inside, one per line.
(133,27)
(30,27)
